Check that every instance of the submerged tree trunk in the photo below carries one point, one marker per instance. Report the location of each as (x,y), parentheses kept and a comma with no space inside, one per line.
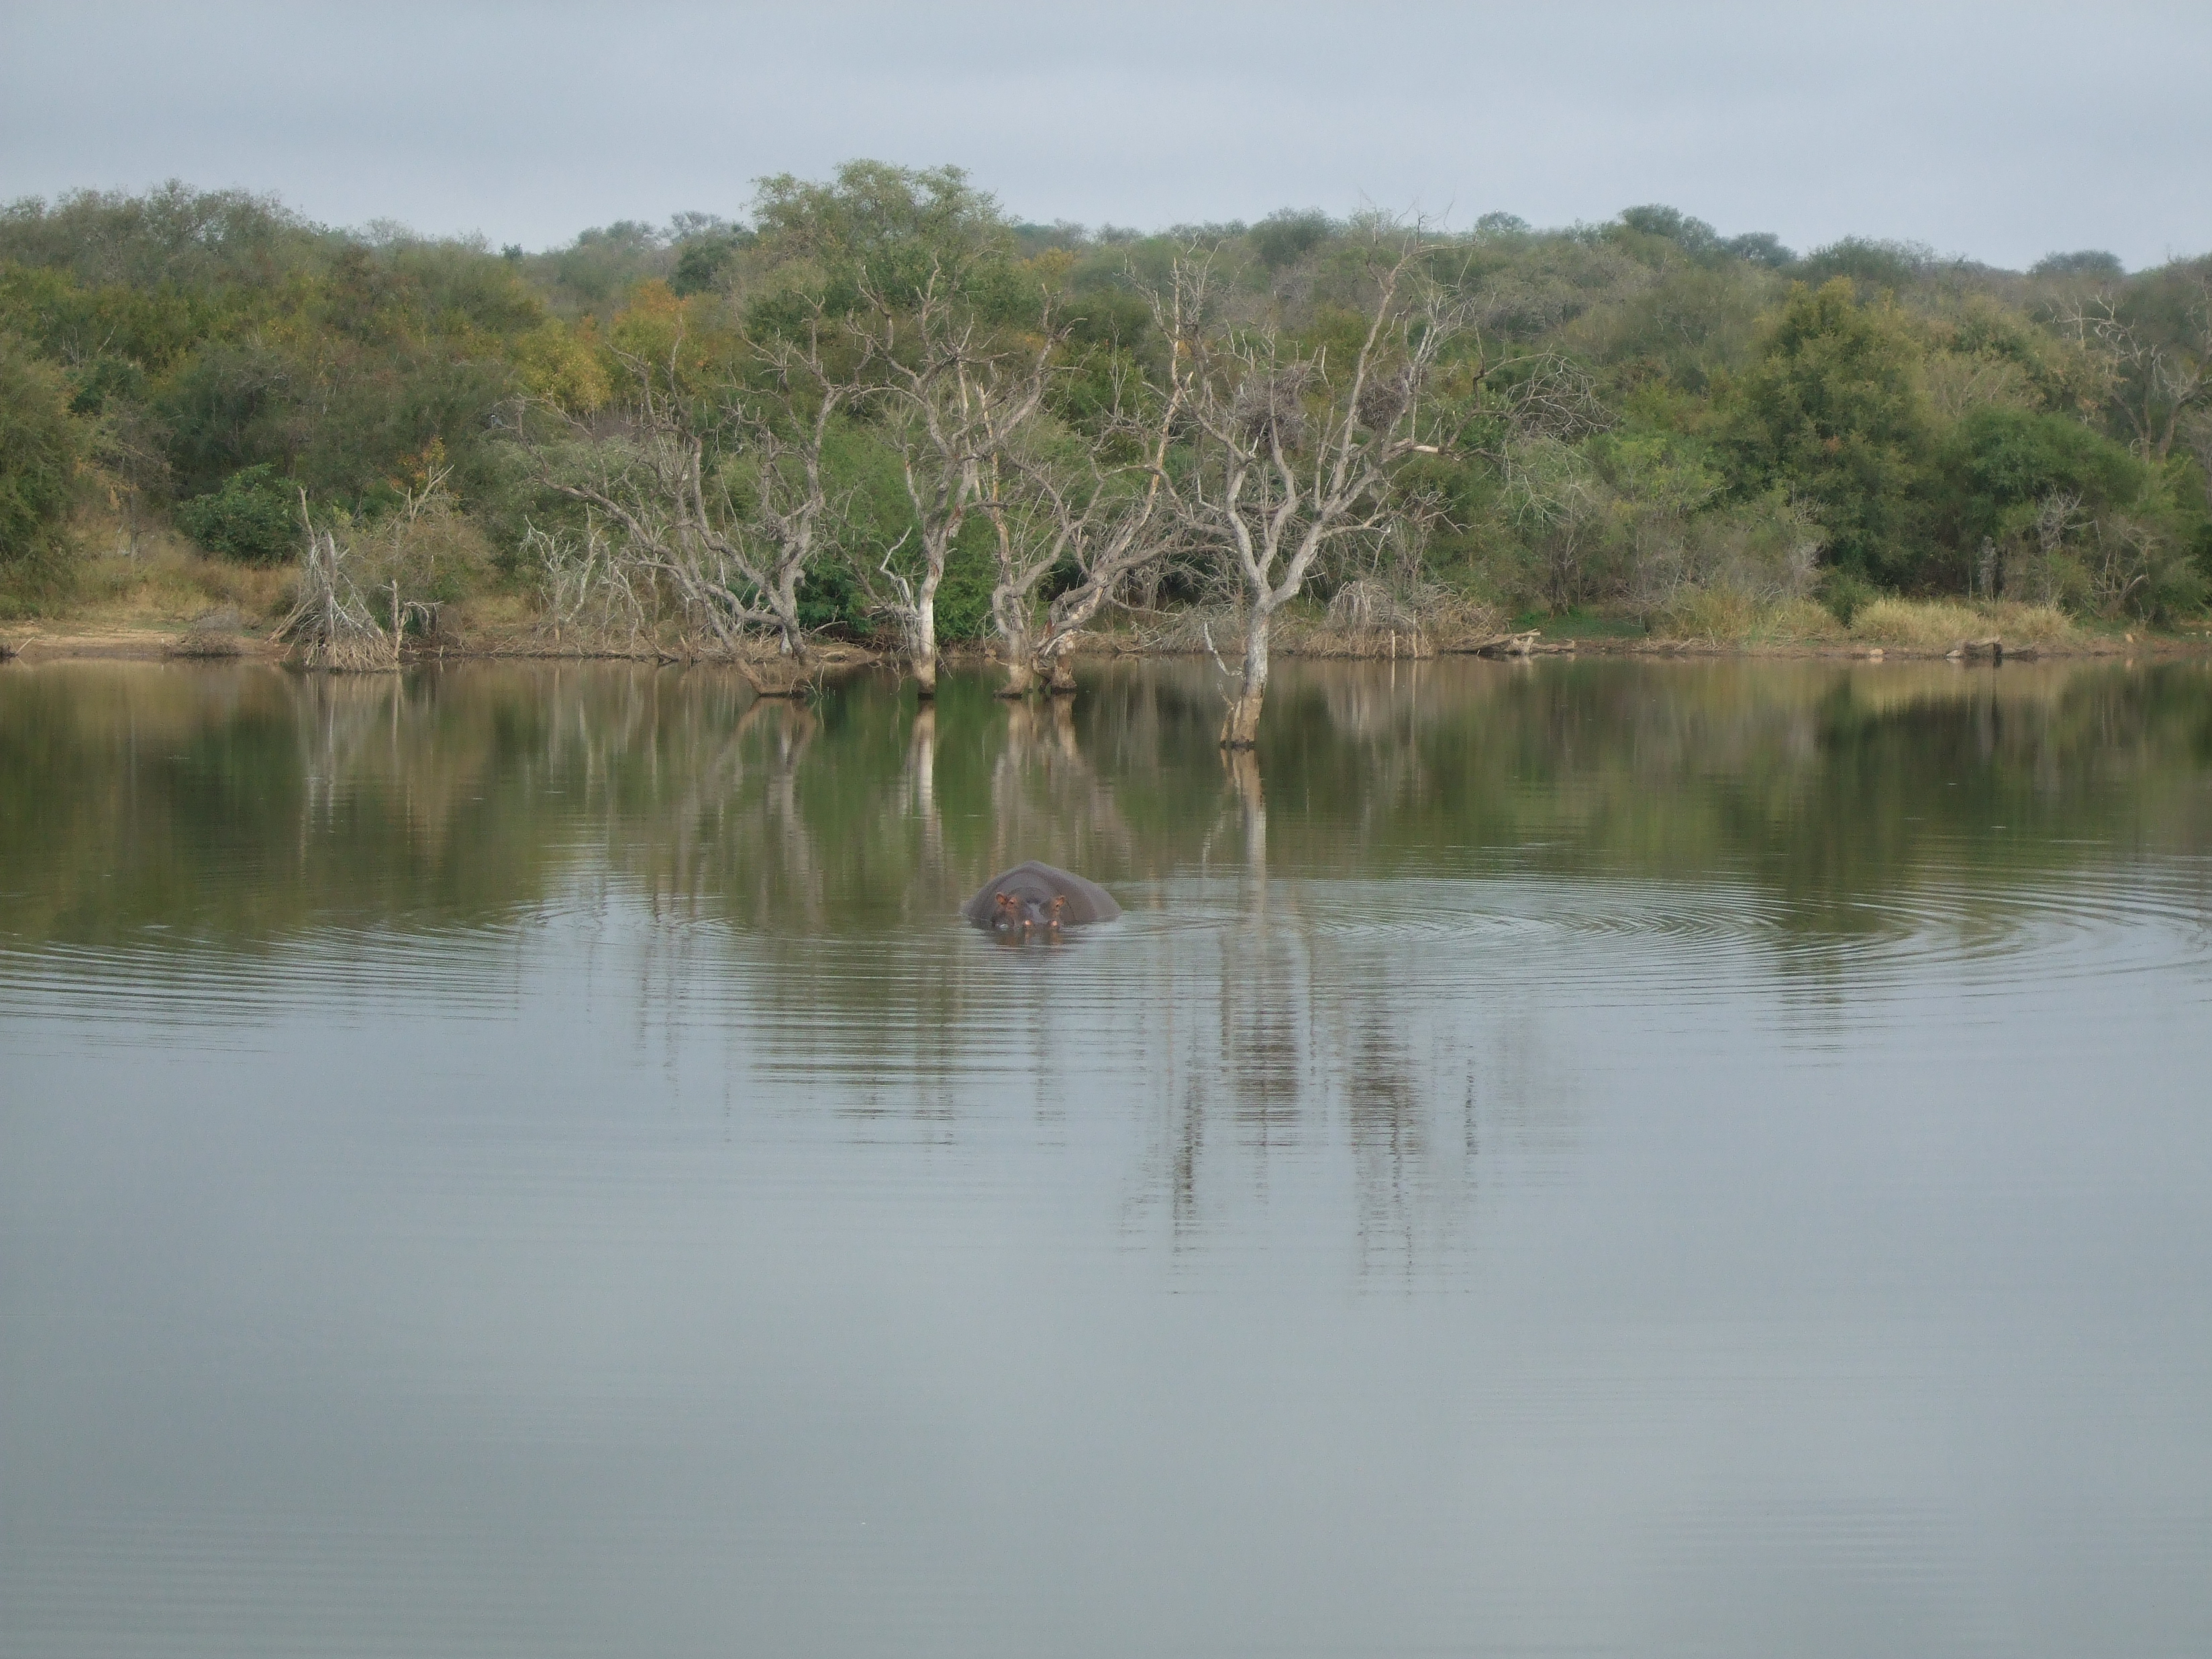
(1241,729)
(790,672)
(922,647)
(1018,642)
(792,640)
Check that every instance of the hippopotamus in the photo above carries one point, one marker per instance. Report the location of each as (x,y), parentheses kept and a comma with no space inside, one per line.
(1037,897)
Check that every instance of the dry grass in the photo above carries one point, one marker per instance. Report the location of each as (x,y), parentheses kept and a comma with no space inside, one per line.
(213,606)
(1718,616)
(1936,625)
(1921,627)
(2032,624)
(167,582)
(501,622)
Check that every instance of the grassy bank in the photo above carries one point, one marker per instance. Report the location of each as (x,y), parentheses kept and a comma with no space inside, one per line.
(1905,627)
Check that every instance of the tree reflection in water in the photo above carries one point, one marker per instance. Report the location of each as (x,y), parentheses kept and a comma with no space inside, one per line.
(1375,933)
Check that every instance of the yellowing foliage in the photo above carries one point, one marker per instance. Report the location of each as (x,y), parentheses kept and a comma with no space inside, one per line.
(658,328)
(566,365)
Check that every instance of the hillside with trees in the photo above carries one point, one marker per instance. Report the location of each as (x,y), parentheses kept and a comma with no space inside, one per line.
(874,406)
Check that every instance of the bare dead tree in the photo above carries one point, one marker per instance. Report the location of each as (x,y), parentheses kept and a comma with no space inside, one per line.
(2125,561)
(330,621)
(2197,432)
(1294,452)
(730,509)
(2155,384)
(587,589)
(1104,519)
(1032,522)
(954,398)
(2040,575)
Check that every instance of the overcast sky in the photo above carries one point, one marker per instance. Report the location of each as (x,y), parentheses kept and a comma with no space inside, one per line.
(2001,131)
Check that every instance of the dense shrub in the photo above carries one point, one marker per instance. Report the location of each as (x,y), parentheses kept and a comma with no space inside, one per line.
(255,516)
(41,447)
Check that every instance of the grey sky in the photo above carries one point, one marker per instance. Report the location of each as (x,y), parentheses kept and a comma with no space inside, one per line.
(2000,131)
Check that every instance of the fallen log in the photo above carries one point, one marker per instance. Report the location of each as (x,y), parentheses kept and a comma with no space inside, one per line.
(1509,645)
(1975,650)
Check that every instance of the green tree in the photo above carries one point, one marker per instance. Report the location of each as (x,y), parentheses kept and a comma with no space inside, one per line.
(173,237)
(40,448)
(1999,458)
(1872,267)
(228,407)
(704,261)
(2092,263)
(888,231)
(1287,235)
(1832,412)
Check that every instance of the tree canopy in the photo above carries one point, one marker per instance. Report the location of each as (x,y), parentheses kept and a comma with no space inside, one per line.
(1634,403)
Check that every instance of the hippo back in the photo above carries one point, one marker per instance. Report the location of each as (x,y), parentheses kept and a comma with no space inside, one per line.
(1039,884)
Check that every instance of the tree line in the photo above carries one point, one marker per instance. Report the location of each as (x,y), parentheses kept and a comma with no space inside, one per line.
(875,404)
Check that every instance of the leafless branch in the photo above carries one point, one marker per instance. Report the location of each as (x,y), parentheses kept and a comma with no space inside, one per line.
(1295,453)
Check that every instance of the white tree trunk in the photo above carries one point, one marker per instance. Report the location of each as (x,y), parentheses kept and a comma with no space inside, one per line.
(923,645)
(1241,729)
(1019,643)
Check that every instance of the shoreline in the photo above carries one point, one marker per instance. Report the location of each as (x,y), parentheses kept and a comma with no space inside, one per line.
(128,643)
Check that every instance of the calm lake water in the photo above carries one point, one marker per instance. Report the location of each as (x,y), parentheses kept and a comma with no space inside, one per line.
(1599,1157)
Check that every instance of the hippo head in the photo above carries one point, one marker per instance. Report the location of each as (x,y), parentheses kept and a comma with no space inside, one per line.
(1023,911)
(1033,898)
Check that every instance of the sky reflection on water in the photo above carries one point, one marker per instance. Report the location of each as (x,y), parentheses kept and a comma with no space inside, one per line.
(1619,1157)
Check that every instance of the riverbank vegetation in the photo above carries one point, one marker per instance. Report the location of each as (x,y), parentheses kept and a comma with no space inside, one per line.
(875,410)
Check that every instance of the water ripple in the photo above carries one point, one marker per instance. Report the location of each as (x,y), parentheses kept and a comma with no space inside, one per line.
(1611,938)
(1603,938)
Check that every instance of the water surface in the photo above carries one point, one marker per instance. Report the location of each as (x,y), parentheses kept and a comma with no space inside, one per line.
(1603,1158)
